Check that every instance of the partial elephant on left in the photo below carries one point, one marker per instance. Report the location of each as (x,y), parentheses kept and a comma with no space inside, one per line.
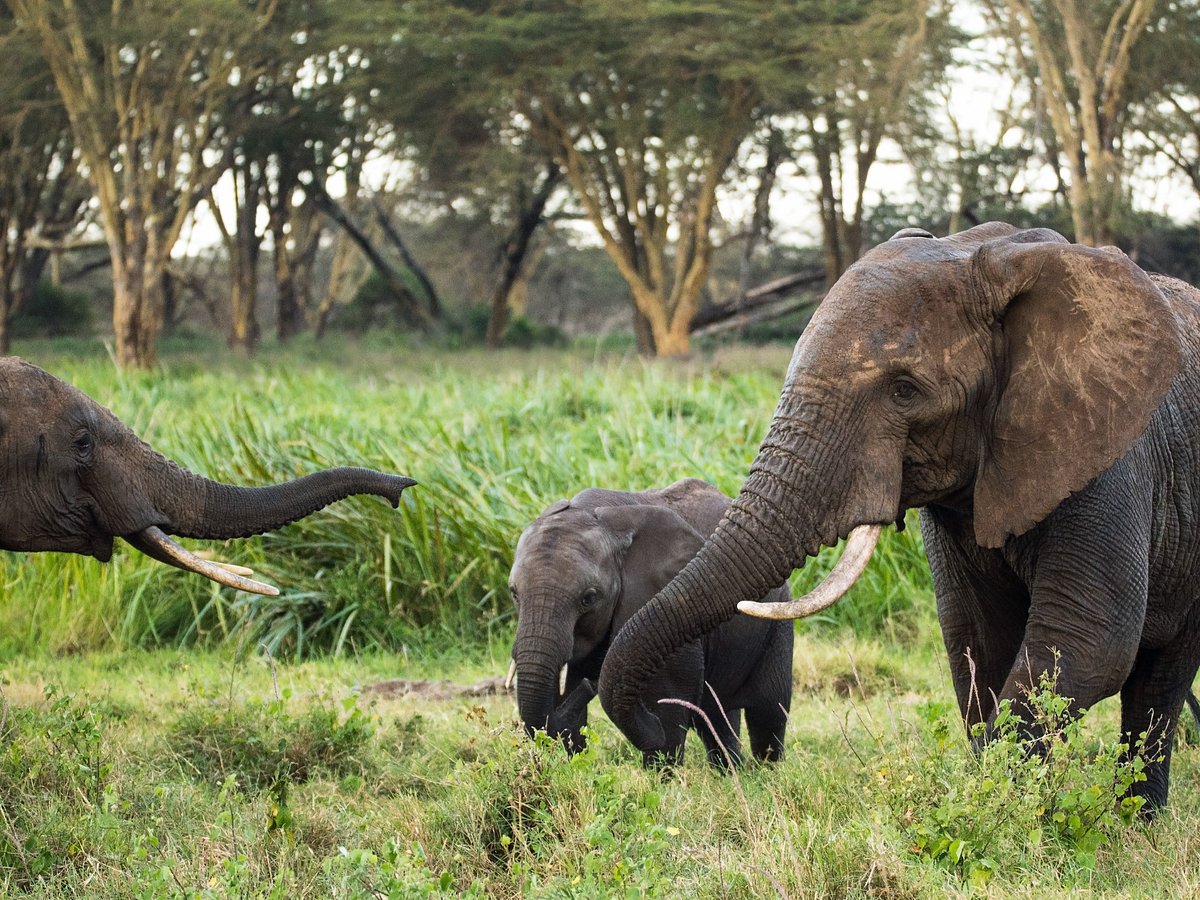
(73,477)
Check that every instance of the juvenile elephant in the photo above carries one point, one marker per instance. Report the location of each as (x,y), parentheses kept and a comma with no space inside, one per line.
(584,566)
(1040,402)
(73,477)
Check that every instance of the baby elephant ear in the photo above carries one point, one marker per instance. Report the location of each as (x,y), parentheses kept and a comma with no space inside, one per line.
(660,544)
(1086,346)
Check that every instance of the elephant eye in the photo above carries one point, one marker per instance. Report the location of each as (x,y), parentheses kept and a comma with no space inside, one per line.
(84,444)
(589,598)
(904,391)
(512,592)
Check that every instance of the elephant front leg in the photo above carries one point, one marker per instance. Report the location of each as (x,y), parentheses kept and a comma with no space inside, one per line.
(1088,570)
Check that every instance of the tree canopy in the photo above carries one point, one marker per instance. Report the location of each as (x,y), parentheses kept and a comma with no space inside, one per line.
(670,134)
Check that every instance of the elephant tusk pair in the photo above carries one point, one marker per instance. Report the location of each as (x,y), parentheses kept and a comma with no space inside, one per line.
(512,674)
(157,545)
(859,547)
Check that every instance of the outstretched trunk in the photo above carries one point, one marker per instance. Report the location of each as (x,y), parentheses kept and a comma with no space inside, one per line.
(158,492)
(199,508)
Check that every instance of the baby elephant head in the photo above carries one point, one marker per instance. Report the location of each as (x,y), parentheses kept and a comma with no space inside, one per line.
(578,575)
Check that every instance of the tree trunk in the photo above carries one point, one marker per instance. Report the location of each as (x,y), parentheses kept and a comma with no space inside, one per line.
(137,297)
(674,341)
(289,318)
(418,315)
(243,329)
(514,253)
(431,295)
(643,333)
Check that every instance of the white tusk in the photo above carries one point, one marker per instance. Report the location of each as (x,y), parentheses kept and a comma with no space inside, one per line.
(859,547)
(157,545)
(512,673)
(562,680)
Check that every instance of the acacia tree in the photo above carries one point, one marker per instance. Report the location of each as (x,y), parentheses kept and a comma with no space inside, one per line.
(867,83)
(472,158)
(154,94)
(1078,55)
(1167,74)
(41,191)
(643,108)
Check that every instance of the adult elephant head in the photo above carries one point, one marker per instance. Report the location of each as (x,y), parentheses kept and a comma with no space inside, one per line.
(73,477)
(995,372)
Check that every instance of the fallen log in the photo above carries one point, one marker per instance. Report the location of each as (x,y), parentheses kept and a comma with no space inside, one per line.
(764,295)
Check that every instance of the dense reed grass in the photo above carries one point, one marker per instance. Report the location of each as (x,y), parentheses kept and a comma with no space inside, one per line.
(492,439)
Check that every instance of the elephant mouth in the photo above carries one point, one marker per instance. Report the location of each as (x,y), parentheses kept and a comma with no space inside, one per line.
(101,548)
(155,543)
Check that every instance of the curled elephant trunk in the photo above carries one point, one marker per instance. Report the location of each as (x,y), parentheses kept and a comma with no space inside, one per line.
(857,553)
(753,551)
(537,690)
(800,495)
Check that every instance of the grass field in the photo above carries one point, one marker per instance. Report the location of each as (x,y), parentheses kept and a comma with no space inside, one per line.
(162,737)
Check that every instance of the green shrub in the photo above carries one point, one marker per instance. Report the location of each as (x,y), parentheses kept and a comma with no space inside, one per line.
(54,312)
(525,334)
(1012,806)
(54,772)
(378,305)
(265,745)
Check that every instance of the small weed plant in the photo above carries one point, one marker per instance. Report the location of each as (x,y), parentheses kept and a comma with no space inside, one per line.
(1020,802)
(265,745)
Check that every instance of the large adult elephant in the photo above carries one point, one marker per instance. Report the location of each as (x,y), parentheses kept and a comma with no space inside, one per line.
(1040,402)
(73,477)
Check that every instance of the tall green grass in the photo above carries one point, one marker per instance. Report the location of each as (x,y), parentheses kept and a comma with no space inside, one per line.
(492,439)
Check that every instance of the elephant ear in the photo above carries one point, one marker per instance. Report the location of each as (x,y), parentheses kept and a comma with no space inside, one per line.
(1086,346)
(659,544)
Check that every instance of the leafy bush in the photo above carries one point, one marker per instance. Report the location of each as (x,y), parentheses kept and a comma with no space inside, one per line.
(378,305)
(263,745)
(1013,804)
(525,334)
(54,772)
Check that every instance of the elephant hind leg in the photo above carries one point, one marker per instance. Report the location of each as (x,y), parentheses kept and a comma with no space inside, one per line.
(768,727)
(1151,702)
